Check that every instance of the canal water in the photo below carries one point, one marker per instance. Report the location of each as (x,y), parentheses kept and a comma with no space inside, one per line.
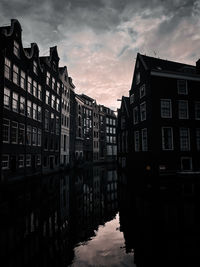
(99,216)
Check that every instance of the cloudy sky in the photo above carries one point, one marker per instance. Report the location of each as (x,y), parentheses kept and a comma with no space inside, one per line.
(98,40)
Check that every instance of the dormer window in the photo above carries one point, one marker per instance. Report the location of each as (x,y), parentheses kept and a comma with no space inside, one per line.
(182,87)
(35,67)
(142,91)
(16,49)
(138,78)
(132,99)
(48,78)
(54,65)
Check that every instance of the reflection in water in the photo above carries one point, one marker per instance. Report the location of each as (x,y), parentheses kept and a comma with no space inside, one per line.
(94,217)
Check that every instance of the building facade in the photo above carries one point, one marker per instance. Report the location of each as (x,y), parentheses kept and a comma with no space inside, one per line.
(165,117)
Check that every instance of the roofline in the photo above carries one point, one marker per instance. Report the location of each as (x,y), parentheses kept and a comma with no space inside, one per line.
(175,75)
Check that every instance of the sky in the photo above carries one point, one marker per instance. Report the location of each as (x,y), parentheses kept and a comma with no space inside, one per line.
(98,40)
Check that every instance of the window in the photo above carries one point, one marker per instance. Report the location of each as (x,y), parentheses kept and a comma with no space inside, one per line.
(16,49)
(57,125)
(39,92)
(21,138)
(142,91)
(184,139)
(15,74)
(14,132)
(57,104)
(166,108)
(15,100)
(46,120)
(6,99)
(6,131)
(35,67)
(137,141)
(7,69)
(137,78)
(197,110)
(58,88)
(35,88)
(34,136)
(48,78)
(198,138)
(29,109)
(34,111)
(143,111)
(132,99)
(38,160)
(182,87)
(183,109)
(28,160)
(28,135)
(52,122)
(29,86)
(47,97)
(21,161)
(135,115)
(53,83)
(53,101)
(22,105)
(22,80)
(39,113)
(167,138)
(186,163)
(39,137)
(144,140)
(5,162)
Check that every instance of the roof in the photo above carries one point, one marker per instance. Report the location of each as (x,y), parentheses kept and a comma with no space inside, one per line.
(166,65)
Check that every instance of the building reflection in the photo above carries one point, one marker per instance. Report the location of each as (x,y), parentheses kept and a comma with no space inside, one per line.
(44,219)
(161,220)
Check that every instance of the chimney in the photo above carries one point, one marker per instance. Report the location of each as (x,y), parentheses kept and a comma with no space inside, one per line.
(198,66)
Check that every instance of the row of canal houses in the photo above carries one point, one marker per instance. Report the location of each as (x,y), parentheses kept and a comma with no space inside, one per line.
(45,125)
(159,122)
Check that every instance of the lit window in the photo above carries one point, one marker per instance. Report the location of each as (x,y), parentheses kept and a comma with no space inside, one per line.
(58,104)
(138,78)
(183,109)
(22,80)
(144,140)
(15,101)
(29,85)
(39,114)
(35,67)
(15,74)
(29,109)
(34,136)
(28,135)
(21,138)
(6,131)
(166,108)
(34,111)
(48,78)
(7,68)
(47,97)
(142,91)
(22,105)
(6,99)
(21,161)
(143,111)
(28,160)
(184,139)
(53,83)
(35,88)
(167,138)
(58,88)
(197,110)
(135,115)
(5,162)
(57,125)
(137,141)
(53,101)
(39,92)
(182,87)
(16,49)
(14,132)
